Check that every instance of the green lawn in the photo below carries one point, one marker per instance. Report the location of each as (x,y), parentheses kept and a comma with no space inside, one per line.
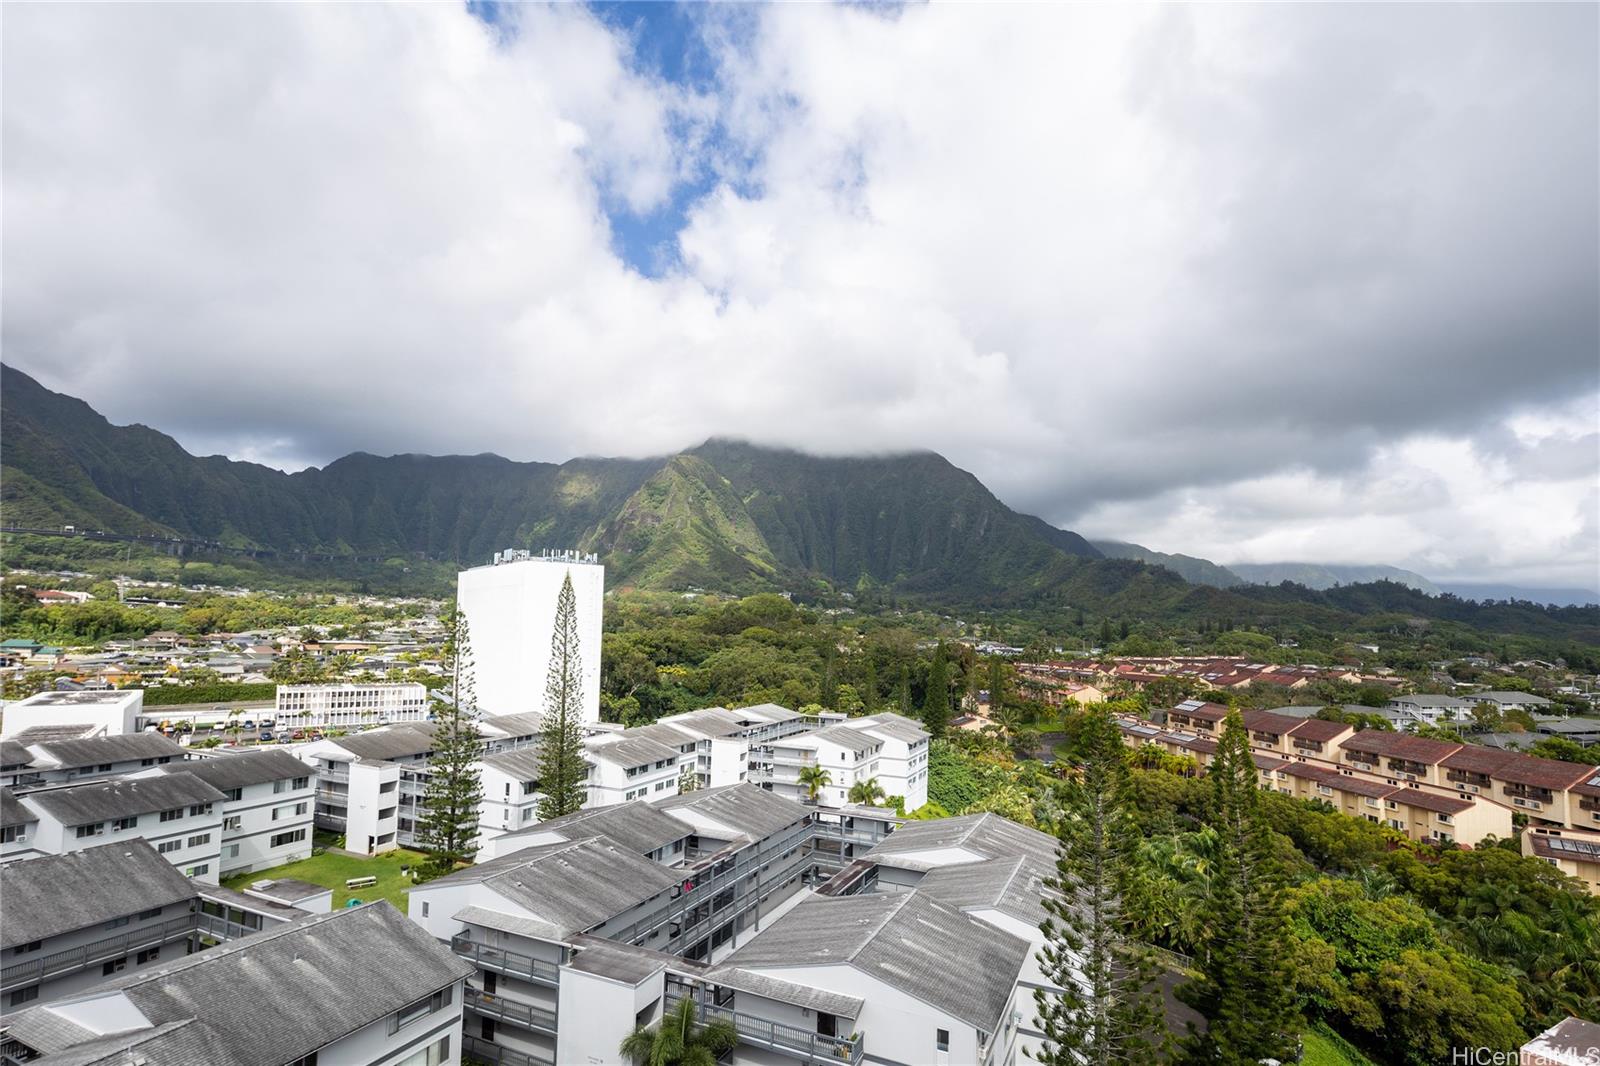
(332,870)
(1325,1049)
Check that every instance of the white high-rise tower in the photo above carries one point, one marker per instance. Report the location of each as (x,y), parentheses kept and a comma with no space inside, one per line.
(510,606)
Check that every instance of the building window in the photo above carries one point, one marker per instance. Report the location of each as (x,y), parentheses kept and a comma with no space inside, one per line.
(196,871)
(97,829)
(301,782)
(24,995)
(198,809)
(118,923)
(167,847)
(420,1009)
(153,912)
(172,815)
(231,825)
(233,795)
(199,840)
(231,851)
(11,834)
(123,823)
(23,949)
(114,966)
(280,839)
(434,1054)
(941,1039)
(149,955)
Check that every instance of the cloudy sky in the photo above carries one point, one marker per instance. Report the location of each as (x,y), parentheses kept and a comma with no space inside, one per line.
(1253,283)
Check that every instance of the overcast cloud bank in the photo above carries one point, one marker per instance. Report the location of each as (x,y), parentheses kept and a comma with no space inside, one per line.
(1266,283)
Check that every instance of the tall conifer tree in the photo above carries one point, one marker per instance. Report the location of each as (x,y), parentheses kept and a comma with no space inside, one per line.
(563,774)
(869,687)
(936,700)
(1243,991)
(1109,1010)
(448,826)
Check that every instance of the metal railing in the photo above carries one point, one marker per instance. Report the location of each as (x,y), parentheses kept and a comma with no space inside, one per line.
(510,1010)
(71,960)
(510,963)
(809,1046)
(480,1050)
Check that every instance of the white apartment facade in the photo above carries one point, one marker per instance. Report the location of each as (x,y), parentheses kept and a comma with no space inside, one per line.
(268,801)
(350,706)
(510,607)
(178,814)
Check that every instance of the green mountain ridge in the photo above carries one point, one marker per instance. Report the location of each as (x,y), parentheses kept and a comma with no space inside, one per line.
(727,516)
(1191,568)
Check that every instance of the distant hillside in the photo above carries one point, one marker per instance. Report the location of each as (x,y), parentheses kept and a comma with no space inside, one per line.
(1319,576)
(1557,597)
(726,515)
(1191,569)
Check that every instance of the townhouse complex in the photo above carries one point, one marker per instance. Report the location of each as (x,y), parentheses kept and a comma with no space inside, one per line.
(822,935)
(1432,790)
(349,706)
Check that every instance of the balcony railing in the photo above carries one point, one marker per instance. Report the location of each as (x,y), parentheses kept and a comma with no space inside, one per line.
(1589,805)
(510,1010)
(510,963)
(60,963)
(804,1044)
(480,1050)
(1543,795)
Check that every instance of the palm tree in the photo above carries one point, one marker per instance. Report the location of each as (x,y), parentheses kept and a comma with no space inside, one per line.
(867,793)
(679,1040)
(814,779)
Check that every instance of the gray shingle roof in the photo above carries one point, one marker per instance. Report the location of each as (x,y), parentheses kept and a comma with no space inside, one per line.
(14,754)
(908,940)
(768,987)
(620,962)
(12,812)
(1012,886)
(631,751)
(243,769)
(845,736)
(390,742)
(892,725)
(56,894)
(187,1042)
(572,887)
(987,835)
(744,808)
(636,826)
(521,763)
(275,996)
(99,801)
(123,747)
(517,925)
(36,733)
(514,725)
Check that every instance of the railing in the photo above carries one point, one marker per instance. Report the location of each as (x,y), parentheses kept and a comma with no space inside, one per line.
(1589,805)
(510,963)
(481,1050)
(1543,795)
(708,884)
(510,1010)
(811,1047)
(71,960)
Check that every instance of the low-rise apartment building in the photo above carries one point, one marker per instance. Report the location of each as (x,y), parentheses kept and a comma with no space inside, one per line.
(25,763)
(585,926)
(349,706)
(356,986)
(113,711)
(267,801)
(178,814)
(76,921)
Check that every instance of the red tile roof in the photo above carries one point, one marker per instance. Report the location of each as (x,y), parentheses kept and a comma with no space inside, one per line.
(1431,801)
(1400,746)
(1318,729)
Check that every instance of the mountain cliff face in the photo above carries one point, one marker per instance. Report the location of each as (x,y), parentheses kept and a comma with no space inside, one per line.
(724,515)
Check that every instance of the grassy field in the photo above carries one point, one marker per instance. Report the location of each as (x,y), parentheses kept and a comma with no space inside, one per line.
(1325,1049)
(332,870)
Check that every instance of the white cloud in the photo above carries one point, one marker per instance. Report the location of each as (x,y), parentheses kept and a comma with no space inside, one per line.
(1121,262)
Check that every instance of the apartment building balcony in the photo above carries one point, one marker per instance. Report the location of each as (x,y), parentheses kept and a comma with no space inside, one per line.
(1588,804)
(62,963)
(1468,781)
(1308,747)
(510,963)
(479,1050)
(1406,767)
(803,1044)
(1527,796)
(499,1008)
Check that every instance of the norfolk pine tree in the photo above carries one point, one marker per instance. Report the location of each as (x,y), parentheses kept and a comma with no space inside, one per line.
(563,775)
(1244,990)
(936,700)
(449,824)
(1109,1012)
